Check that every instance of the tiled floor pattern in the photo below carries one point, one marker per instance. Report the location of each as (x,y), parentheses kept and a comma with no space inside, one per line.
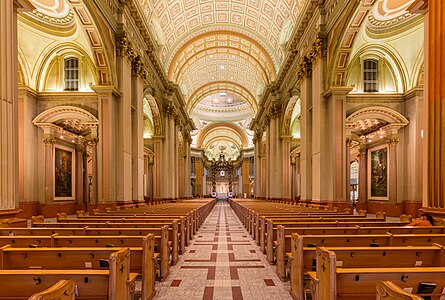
(222,262)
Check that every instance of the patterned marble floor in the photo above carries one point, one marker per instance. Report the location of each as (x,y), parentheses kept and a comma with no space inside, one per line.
(222,262)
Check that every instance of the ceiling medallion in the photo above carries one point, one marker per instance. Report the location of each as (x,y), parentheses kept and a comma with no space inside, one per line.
(53,11)
(386,10)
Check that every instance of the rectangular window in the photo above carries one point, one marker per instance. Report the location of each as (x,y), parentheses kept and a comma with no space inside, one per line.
(370,76)
(71,74)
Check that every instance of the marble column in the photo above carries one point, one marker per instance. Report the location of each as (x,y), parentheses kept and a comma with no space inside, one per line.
(80,152)
(204,183)
(275,173)
(392,168)
(257,166)
(363,177)
(298,177)
(125,55)
(321,185)
(306,138)
(435,68)
(137,131)
(49,142)
(28,144)
(85,181)
(8,102)
(286,168)
(94,172)
(108,171)
(158,164)
(336,164)
(268,161)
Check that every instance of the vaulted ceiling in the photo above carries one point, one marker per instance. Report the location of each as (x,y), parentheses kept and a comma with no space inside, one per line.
(222,54)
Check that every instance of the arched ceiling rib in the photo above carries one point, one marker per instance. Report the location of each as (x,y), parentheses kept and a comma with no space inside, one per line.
(218,86)
(262,19)
(225,41)
(222,67)
(222,54)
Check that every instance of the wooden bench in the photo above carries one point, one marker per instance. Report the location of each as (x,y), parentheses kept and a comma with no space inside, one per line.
(62,290)
(173,234)
(270,236)
(332,282)
(303,258)
(282,246)
(91,242)
(142,260)
(113,284)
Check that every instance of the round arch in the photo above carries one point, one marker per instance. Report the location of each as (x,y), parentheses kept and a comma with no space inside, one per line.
(217,86)
(62,50)
(153,106)
(216,126)
(289,114)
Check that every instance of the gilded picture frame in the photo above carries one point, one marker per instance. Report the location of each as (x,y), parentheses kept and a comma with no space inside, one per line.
(64,171)
(378,170)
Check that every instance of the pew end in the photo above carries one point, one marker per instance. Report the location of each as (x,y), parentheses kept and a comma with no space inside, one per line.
(387,290)
(62,290)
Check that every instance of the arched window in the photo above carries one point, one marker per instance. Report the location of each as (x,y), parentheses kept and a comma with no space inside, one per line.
(370,76)
(71,74)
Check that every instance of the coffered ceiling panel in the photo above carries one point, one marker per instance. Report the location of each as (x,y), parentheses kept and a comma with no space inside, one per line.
(222,67)
(224,41)
(259,19)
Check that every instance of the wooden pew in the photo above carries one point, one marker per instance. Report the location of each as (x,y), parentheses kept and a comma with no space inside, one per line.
(283,243)
(142,260)
(90,242)
(303,259)
(113,284)
(62,290)
(267,232)
(178,232)
(268,239)
(332,282)
(173,234)
(387,290)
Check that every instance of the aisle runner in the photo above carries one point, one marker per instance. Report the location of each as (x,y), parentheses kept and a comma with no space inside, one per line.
(222,262)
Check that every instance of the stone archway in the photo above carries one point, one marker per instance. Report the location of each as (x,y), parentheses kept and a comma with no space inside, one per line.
(72,132)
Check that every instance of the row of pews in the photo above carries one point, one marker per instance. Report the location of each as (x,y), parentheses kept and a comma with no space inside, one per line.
(99,256)
(330,255)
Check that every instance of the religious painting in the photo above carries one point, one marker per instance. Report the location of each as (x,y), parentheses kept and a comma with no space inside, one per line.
(63,174)
(378,173)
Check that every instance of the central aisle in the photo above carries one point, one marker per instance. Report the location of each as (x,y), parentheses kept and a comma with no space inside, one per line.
(222,262)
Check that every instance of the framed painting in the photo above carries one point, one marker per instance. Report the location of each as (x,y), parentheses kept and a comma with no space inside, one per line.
(378,173)
(63,173)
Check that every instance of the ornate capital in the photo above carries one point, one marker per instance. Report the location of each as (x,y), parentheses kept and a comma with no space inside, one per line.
(392,141)
(274,112)
(136,65)
(49,141)
(305,68)
(122,45)
(170,110)
(93,142)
